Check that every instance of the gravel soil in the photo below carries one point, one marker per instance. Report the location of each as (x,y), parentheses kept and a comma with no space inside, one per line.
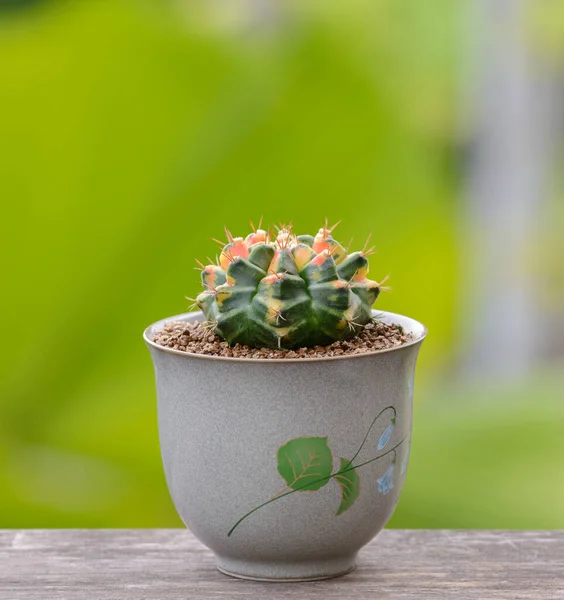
(195,338)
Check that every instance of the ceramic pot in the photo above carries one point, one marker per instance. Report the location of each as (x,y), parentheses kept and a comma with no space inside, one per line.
(285,468)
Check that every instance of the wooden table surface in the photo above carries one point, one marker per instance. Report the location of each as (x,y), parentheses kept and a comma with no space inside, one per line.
(158,564)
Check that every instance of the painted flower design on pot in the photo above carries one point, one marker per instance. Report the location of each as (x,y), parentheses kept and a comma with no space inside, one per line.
(386,435)
(386,482)
(410,385)
(405,458)
(306,464)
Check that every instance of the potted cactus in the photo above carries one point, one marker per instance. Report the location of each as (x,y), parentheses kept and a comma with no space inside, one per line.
(280,385)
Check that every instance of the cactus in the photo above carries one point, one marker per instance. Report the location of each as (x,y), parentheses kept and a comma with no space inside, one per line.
(290,291)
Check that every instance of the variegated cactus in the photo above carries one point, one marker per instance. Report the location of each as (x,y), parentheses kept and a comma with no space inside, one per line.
(287,292)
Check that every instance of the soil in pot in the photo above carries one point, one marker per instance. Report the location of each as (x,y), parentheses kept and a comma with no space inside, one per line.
(194,337)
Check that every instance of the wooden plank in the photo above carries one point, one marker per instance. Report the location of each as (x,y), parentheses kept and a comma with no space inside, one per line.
(157,564)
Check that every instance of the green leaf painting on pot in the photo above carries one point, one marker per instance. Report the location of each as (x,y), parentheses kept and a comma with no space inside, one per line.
(306,465)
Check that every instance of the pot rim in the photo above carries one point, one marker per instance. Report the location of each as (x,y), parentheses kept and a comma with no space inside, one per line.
(388,317)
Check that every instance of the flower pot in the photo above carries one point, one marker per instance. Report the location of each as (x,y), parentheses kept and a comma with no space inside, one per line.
(285,468)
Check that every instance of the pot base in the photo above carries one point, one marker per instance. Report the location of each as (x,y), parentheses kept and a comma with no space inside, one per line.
(311,570)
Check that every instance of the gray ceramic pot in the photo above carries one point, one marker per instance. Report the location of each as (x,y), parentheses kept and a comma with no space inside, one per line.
(285,468)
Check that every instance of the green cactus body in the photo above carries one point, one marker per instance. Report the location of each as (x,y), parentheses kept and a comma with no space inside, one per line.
(290,292)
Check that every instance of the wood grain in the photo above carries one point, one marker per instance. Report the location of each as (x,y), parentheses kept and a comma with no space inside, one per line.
(171,564)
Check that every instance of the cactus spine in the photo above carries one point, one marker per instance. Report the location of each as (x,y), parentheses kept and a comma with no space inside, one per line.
(287,292)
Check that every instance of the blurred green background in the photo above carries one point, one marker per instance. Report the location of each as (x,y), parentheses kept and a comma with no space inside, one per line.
(132,132)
